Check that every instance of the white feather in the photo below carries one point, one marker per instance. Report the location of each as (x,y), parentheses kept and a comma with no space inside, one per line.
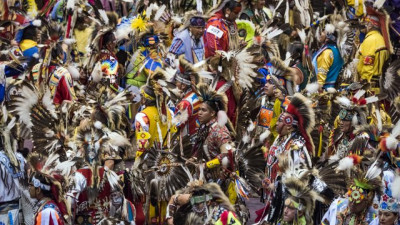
(391,142)
(373,172)
(378,118)
(225,162)
(264,135)
(181,117)
(246,139)
(162,83)
(70,4)
(65,168)
(97,74)
(396,130)
(396,185)
(69,41)
(112,178)
(199,6)
(331,90)
(354,121)
(37,23)
(287,12)
(222,118)
(47,102)
(345,164)
(379,3)
(312,88)
(104,16)
(251,127)
(74,72)
(371,99)
(98,125)
(159,12)
(329,28)
(359,94)
(344,101)
(49,134)
(117,139)
(302,35)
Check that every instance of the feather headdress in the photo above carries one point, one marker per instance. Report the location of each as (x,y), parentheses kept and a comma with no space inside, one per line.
(389,82)
(300,108)
(216,100)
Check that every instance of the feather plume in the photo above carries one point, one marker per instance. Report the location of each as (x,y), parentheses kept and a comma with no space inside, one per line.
(222,118)
(331,90)
(379,3)
(371,99)
(302,35)
(74,72)
(344,101)
(69,41)
(37,23)
(47,102)
(117,139)
(97,74)
(312,88)
(396,185)
(264,135)
(345,164)
(373,172)
(378,118)
(159,12)
(103,16)
(359,94)
(251,127)
(70,4)
(391,143)
(98,125)
(329,28)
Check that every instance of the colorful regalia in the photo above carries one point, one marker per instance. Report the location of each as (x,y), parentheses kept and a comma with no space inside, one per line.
(184,43)
(328,64)
(48,213)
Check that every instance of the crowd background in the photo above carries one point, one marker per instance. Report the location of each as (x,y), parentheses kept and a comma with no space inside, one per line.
(177,112)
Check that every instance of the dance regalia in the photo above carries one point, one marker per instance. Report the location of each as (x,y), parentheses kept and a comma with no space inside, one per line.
(221,35)
(61,85)
(339,143)
(109,67)
(84,189)
(190,103)
(184,43)
(148,121)
(145,64)
(372,56)
(9,184)
(294,143)
(339,214)
(48,213)
(328,64)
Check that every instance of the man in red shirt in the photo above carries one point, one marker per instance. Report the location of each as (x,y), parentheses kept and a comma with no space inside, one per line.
(221,34)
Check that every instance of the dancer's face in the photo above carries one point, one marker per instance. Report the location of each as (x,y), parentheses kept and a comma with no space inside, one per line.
(206,114)
(197,32)
(387,218)
(282,128)
(345,126)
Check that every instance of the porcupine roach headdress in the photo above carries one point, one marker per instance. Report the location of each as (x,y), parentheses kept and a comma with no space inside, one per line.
(300,109)
(301,197)
(355,109)
(47,178)
(216,100)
